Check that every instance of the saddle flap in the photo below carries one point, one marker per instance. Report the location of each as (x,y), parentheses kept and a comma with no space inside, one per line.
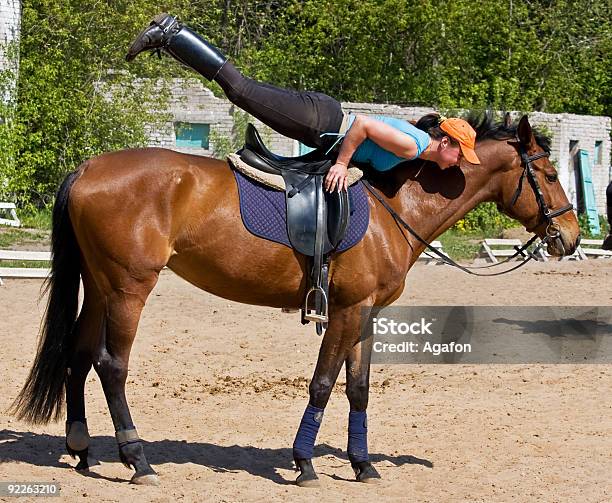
(338,215)
(303,194)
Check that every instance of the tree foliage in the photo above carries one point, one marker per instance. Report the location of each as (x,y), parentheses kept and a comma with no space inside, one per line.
(74,97)
(547,55)
(552,56)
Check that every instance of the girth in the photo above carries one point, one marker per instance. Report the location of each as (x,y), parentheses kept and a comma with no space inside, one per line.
(316,220)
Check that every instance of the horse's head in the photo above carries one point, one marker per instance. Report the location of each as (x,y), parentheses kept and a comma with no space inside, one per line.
(530,192)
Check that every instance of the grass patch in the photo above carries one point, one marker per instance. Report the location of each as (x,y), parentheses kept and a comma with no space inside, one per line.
(30,264)
(585,228)
(11,237)
(462,245)
(36,219)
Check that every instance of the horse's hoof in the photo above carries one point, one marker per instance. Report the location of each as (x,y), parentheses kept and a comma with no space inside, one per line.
(308,476)
(145,480)
(82,466)
(85,465)
(307,481)
(370,480)
(365,472)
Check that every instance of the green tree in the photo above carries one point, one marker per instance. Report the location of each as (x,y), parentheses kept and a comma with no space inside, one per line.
(513,54)
(78,97)
(75,96)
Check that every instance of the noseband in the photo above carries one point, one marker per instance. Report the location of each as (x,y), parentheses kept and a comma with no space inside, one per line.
(546,215)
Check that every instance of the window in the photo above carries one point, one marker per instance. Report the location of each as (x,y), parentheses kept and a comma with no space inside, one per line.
(304,149)
(598,152)
(573,146)
(192,135)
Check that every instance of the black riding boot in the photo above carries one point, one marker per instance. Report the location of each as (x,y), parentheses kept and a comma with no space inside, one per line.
(166,33)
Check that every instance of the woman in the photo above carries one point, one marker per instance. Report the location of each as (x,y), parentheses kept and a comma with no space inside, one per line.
(315,119)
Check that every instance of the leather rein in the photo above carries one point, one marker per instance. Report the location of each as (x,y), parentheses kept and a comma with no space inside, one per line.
(546,215)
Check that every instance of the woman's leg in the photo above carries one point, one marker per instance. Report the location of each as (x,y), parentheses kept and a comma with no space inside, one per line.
(303,116)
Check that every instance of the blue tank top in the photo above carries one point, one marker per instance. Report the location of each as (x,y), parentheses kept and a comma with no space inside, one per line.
(381,159)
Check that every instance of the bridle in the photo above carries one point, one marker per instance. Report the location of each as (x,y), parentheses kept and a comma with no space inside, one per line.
(546,215)
(553,231)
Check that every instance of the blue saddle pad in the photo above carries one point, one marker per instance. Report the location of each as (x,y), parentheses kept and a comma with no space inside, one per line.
(264,212)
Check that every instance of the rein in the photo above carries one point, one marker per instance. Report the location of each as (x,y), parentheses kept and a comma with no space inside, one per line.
(552,229)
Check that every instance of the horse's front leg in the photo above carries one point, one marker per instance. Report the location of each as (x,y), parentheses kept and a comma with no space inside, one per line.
(357,391)
(332,354)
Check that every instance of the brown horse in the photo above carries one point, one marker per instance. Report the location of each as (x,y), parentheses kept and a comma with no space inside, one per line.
(121,217)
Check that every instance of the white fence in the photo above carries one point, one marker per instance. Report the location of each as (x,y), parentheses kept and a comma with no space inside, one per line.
(432,258)
(24,272)
(10,209)
(491,249)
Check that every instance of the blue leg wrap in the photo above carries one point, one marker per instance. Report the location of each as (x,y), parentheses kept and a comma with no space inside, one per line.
(358,436)
(303,445)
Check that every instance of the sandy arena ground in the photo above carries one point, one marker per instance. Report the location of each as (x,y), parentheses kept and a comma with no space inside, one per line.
(217,389)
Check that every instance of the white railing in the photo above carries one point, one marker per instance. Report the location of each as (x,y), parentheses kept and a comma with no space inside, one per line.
(24,272)
(14,220)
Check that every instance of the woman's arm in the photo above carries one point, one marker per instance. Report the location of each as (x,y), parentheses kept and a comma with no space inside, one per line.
(382,134)
(339,171)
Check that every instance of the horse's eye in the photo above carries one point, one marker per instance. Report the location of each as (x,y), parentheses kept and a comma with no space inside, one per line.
(552,178)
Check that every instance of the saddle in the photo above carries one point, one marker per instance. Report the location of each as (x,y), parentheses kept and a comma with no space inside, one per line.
(316,220)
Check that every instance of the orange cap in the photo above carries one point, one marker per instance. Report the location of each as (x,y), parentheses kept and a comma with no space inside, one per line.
(461,131)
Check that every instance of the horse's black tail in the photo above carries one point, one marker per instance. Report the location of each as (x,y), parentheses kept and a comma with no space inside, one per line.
(42,396)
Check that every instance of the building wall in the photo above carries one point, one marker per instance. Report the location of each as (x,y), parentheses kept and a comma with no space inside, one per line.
(10,22)
(194,103)
(580,132)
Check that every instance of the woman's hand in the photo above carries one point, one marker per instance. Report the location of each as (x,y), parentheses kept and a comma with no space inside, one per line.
(337,175)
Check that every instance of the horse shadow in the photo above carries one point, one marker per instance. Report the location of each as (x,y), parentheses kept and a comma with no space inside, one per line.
(46,450)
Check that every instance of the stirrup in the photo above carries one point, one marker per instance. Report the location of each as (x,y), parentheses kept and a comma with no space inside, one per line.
(313,315)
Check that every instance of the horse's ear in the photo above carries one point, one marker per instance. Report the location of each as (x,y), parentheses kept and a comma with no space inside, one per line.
(524,133)
(507,120)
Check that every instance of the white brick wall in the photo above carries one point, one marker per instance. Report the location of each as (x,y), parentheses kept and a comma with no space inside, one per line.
(192,102)
(585,130)
(10,22)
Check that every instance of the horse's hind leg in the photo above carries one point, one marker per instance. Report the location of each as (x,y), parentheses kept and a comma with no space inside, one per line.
(87,335)
(123,308)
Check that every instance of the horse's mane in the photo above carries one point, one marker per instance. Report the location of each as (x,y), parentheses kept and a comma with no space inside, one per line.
(486,128)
